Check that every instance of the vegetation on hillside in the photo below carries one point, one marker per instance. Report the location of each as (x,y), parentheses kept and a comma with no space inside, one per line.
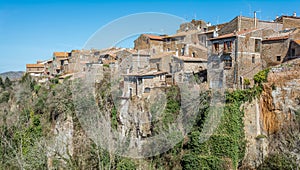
(29,111)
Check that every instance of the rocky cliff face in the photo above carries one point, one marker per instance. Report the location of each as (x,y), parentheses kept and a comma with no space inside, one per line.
(272,121)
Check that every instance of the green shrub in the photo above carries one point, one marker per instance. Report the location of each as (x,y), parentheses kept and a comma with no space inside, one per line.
(7,82)
(36,88)
(260,136)
(114,121)
(106,65)
(261,76)
(4,97)
(54,80)
(192,161)
(126,164)
(1,83)
(278,161)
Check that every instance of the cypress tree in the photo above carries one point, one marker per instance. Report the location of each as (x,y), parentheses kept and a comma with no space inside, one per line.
(7,82)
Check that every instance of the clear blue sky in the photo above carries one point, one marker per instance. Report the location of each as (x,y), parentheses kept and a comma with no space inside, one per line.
(32,29)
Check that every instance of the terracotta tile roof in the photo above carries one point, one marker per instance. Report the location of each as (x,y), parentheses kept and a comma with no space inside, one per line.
(62,58)
(233,34)
(297,41)
(108,61)
(163,54)
(151,73)
(61,54)
(207,32)
(141,52)
(183,58)
(276,38)
(183,33)
(154,37)
(220,26)
(34,65)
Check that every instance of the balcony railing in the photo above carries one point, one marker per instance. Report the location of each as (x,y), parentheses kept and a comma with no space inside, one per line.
(227,51)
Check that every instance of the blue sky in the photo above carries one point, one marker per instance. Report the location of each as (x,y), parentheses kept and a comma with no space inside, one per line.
(31,30)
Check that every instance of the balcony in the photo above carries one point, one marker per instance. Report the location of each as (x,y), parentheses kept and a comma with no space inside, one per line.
(227,51)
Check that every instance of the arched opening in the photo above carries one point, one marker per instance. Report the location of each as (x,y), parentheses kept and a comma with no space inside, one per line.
(227,62)
(147,90)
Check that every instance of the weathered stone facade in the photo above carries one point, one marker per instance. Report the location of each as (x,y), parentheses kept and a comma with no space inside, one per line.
(151,43)
(240,53)
(274,51)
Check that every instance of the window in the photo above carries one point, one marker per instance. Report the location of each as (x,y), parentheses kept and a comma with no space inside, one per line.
(153,50)
(216,47)
(157,67)
(257,45)
(130,92)
(203,39)
(182,51)
(293,52)
(278,58)
(168,49)
(147,90)
(227,46)
(227,62)
(193,54)
(253,59)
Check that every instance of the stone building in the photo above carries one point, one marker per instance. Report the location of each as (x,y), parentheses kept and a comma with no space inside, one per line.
(247,45)
(48,65)
(280,47)
(153,44)
(241,23)
(60,62)
(132,61)
(199,25)
(274,50)
(161,62)
(140,83)
(187,44)
(190,40)
(293,51)
(185,68)
(240,53)
(35,69)
(288,22)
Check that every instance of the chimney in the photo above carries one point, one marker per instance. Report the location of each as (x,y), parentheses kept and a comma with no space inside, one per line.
(294,14)
(215,34)
(254,19)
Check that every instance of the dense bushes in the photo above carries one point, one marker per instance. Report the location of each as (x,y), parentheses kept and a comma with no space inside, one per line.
(40,105)
(261,76)
(278,161)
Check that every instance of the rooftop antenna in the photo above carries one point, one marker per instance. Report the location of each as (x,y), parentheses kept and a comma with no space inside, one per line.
(162,31)
(259,14)
(195,16)
(186,18)
(218,20)
(250,10)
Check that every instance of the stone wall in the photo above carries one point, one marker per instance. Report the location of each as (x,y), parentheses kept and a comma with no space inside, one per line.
(230,27)
(270,25)
(197,51)
(150,45)
(140,62)
(248,59)
(291,23)
(142,42)
(273,49)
